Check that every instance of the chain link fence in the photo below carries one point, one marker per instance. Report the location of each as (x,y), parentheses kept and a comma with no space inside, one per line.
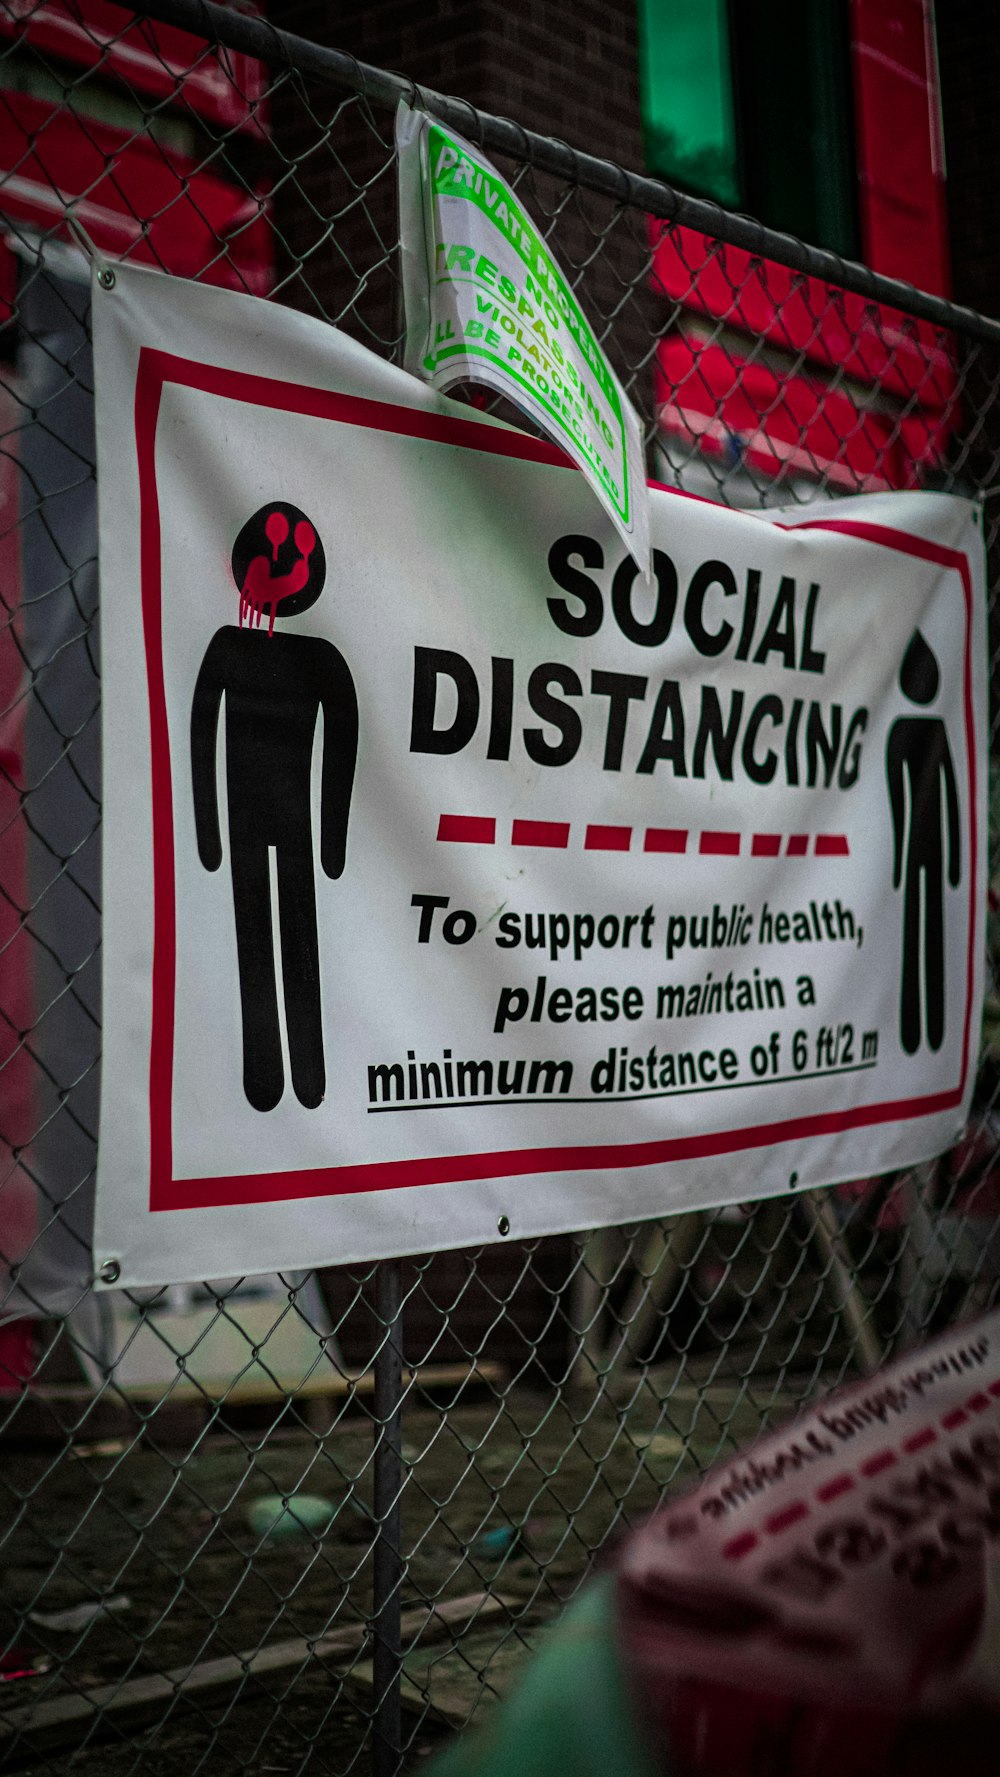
(298,1523)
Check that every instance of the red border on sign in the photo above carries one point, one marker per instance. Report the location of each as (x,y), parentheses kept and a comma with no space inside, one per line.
(157,368)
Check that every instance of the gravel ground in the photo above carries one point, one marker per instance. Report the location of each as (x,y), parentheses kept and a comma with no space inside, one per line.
(511,1499)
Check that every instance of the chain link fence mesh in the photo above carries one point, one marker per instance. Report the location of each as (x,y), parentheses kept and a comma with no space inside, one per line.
(197,1491)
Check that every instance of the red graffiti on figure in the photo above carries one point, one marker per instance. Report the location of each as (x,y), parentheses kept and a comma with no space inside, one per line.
(262,586)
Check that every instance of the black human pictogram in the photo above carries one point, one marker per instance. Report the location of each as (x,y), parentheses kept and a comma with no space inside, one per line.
(274,685)
(919,768)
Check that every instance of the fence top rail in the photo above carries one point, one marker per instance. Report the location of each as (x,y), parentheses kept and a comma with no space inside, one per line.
(257,37)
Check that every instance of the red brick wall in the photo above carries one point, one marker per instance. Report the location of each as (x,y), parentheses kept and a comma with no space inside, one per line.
(566,68)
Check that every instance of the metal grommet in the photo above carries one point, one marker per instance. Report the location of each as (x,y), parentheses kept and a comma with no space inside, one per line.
(110,1270)
(503,1225)
(106,278)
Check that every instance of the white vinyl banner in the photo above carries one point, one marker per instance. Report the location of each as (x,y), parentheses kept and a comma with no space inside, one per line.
(456,880)
(486,301)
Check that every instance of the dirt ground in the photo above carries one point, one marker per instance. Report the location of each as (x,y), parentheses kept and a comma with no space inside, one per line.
(507,1497)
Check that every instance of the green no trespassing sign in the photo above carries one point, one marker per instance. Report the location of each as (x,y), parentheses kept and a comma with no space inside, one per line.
(486,301)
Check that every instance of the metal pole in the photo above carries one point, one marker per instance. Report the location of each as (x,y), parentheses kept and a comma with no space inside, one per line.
(854,1308)
(388,1566)
(666,1248)
(923,1263)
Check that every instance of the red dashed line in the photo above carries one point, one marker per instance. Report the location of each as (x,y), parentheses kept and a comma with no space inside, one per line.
(740,1545)
(834,1489)
(719,845)
(792,1514)
(673,839)
(877,1464)
(846,1483)
(467,829)
(551,833)
(607,839)
(476,829)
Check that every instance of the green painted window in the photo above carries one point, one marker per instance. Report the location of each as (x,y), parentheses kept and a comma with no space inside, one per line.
(749,102)
(688,113)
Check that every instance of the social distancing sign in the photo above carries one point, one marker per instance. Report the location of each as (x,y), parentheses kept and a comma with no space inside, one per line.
(458,879)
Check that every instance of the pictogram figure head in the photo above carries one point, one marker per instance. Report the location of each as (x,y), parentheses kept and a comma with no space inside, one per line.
(278,563)
(919,675)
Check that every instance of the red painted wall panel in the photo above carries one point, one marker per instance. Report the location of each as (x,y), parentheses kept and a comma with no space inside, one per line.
(804,407)
(900,155)
(710,397)
(154,59)
(797,314)
(132,195)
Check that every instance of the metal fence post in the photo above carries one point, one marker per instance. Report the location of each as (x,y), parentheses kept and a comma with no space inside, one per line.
(388,1564)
